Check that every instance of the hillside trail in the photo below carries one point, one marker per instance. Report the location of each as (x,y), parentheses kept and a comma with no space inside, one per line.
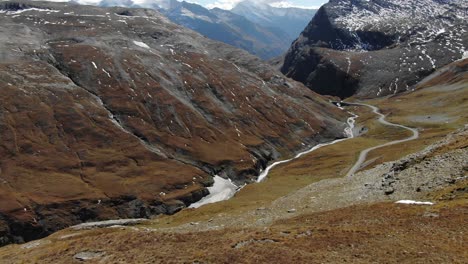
(382,120)
(219,194)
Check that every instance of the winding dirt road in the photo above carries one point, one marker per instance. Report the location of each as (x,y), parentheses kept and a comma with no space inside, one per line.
(364,153)
(215,192)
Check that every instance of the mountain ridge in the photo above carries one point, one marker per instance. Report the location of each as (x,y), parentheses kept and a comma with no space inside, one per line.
(377,48)
(291,19)
(230,28)
(268,39)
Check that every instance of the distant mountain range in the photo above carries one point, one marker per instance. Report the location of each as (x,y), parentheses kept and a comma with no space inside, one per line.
(291,20)
(261,29)
(225,26)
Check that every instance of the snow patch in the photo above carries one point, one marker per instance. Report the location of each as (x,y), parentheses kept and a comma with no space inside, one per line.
(107,223)
(141,44)
(188,65)
(221,190)
(106,72)
(28,10)
(340,106)
(238,132)
(441,31)
(349,65)
(414,202)
(237,67)
(31,244)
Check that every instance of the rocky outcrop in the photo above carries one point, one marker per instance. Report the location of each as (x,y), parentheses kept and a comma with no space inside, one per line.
(119,113)
(377,48)
(427,170)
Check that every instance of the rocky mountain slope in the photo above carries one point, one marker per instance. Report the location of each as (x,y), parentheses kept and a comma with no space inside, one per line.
(291,20)
(117,112)
(379,47)
(331,220)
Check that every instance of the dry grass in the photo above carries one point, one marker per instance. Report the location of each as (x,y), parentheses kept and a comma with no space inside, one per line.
(384,232)
(328,162)
(362,234)
(424,102)
(335,160)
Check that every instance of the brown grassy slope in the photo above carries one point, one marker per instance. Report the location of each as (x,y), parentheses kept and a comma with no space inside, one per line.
(329,162)
(438,106)
(385,233)
(365,233)
(94,126)
(334,161)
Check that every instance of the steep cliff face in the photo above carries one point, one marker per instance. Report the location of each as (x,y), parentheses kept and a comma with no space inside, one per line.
(379,47)
(118,112)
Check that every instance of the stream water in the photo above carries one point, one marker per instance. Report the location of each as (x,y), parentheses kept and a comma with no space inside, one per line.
(224,189)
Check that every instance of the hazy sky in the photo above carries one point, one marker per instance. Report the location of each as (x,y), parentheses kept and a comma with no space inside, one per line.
(228,4)
(224,4)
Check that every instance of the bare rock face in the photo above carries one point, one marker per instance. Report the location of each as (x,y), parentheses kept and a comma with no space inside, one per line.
(119,113)
(379,47)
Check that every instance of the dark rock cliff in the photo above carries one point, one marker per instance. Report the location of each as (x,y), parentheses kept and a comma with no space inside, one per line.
(376,48)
